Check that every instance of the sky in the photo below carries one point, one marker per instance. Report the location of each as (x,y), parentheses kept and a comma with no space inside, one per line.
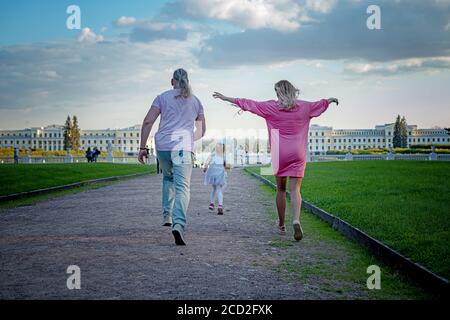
(109,71)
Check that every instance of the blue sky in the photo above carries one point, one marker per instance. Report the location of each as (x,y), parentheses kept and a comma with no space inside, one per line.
(108,72)
(45,20)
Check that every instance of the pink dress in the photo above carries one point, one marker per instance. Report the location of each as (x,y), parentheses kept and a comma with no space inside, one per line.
(288,132)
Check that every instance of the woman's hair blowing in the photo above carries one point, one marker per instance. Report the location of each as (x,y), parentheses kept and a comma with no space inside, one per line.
(287,94)
(181,77)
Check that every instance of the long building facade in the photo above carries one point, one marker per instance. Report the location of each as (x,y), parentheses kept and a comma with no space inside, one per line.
(321,138)
(51,138)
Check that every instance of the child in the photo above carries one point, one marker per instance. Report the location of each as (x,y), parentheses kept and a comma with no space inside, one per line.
(216,176)
(288,123)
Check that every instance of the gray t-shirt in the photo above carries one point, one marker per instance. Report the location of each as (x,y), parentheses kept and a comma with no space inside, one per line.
(176,126)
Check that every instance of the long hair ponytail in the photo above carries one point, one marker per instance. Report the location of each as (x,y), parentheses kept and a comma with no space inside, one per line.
(181,77)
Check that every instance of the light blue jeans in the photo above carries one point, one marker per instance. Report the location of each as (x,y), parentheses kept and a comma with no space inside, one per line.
(177,169)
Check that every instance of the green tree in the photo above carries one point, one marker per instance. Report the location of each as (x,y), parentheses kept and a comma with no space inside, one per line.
(404,132)
(397,140)
(75,134)
(67,133)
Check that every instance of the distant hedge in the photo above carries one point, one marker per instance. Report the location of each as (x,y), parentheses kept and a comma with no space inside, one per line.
(396,150)
(428,146)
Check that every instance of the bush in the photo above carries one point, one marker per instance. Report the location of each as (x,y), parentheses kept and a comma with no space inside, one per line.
(428,146)
(396,150)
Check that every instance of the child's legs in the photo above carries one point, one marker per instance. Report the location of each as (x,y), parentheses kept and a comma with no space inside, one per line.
(213,194)
(281,199)
(219,195)
(296,198)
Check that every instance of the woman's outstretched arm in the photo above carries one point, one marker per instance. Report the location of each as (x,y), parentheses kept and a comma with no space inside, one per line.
(319,107)
(258,108)
(220,96)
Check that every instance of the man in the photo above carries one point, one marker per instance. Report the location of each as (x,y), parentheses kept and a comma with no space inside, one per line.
(174,141)
(16,155)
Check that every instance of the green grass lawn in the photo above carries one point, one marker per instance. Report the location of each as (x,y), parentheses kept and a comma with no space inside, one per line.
(20,178)
(341,270)
(405,204)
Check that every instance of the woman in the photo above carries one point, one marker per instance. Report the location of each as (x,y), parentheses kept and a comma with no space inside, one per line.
(288,123)
(179,110)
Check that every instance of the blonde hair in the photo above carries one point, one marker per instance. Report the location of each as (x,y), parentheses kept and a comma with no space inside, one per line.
(181,77)
(287,94)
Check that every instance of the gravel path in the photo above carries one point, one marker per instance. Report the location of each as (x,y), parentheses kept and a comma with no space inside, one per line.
(114,235)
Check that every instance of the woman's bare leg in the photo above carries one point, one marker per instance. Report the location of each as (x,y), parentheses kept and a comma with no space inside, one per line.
(281,199)
(296,198)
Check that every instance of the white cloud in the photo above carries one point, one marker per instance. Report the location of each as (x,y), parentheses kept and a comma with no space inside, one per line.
(87,35)
(97,81)
(281,15)
(322,6)
(400,66)
(125,21)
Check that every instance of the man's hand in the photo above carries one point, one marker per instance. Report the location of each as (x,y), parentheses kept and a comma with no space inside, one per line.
(333,100)
(142,154)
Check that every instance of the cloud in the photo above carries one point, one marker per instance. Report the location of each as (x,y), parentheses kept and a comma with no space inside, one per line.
(69,75)
(125,21)
(281,15)
(148,35)
(87,35)
(410,29)
(398,67)
(151,30)
(322,6)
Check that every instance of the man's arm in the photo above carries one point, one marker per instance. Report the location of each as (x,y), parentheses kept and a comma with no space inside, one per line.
(147,125)
(200,127)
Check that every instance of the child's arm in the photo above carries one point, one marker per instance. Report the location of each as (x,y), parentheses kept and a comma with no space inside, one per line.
(205,166)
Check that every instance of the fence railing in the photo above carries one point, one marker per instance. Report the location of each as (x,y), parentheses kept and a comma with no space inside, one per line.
(76,159)
(387,156)
(250,160)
